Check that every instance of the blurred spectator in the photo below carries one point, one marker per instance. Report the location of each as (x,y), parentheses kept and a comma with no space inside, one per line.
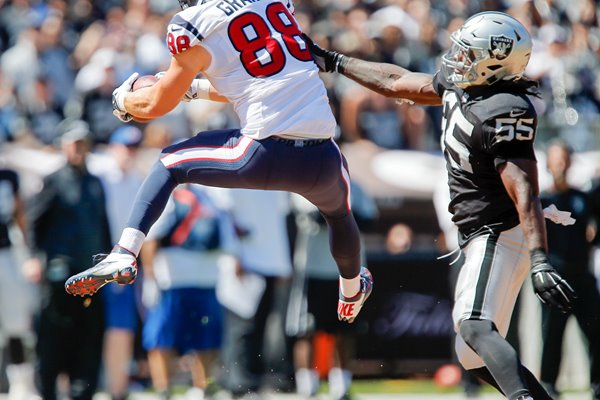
(15,316)
(54,59)
(11,119)
(181,258)
(57,40)
(399,239)
(248,293)
(313,291)
(594,194)
(367,115)
(569,253)
(121,180)
(42,114)
(68,223)
(95,83)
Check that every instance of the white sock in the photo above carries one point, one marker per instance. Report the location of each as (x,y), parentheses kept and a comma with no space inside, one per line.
(339,382)
(132,240)
(350,287)
(194,393)
(307,382)
(20,378)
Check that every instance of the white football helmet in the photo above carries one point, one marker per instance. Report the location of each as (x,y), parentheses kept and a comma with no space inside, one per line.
(490,46)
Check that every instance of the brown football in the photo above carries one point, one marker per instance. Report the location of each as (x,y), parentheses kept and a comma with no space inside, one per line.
(144,81)
(141,82)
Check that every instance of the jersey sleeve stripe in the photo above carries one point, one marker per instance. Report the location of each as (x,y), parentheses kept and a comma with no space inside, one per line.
(178,20)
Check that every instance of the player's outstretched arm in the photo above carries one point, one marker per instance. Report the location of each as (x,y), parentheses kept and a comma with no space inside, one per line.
(386,79)
(520,179)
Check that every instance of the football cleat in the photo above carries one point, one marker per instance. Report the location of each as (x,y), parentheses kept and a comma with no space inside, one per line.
(349,307)
(119,266)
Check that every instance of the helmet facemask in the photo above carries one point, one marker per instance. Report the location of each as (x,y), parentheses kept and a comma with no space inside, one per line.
(459,63)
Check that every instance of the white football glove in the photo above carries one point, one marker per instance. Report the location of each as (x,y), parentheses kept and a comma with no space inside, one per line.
(118,98)
(197,90)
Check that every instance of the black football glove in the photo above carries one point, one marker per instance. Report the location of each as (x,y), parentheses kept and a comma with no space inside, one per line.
(548,285)
(326,60)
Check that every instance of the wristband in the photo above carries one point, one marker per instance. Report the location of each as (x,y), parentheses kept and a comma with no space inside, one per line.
(538,256)
(202,88)
(340,64)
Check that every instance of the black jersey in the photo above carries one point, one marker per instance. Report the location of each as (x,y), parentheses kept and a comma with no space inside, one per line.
(482,128)
(9,186)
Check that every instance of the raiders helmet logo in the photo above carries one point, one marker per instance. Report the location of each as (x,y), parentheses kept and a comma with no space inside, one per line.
(500,47)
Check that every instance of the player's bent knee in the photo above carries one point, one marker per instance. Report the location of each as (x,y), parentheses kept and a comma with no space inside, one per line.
(466,356)
(472,330)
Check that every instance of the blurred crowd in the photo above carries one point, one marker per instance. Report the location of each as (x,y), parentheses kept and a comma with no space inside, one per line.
(61,59)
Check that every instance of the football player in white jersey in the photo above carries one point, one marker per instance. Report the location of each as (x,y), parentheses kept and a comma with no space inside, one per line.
(253,56)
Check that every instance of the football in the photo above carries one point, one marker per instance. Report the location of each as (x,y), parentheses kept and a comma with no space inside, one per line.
(143,81)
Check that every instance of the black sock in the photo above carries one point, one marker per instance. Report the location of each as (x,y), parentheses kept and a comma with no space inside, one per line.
(483,374)
(535,388)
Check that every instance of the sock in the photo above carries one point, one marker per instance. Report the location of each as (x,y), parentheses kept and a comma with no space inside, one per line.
(21,379)
(339,382)
(194,393)
(132,240)
(536,390)
(307,382)
(350,287)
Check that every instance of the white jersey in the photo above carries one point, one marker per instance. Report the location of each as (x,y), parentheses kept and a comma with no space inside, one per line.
(260,63)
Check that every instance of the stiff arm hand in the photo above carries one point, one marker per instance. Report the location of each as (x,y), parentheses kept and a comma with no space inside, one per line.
(326,60)
(548,285)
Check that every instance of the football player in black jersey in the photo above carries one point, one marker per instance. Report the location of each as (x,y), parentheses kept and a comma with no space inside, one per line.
(488,125)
